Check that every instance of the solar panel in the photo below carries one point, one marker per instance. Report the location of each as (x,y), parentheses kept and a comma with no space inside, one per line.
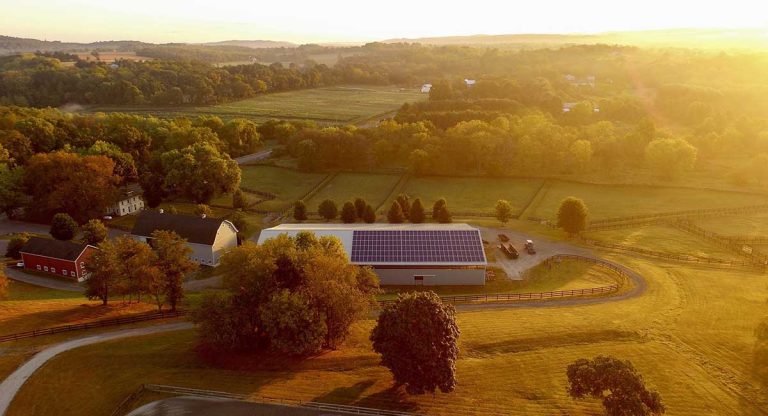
(417,246)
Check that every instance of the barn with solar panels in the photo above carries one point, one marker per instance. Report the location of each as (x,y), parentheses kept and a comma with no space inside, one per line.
(406,254)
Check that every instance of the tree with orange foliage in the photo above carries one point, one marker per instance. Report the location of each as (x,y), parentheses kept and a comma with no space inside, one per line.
(81,186)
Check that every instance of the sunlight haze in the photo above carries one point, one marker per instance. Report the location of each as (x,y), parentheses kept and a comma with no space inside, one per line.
(339,21)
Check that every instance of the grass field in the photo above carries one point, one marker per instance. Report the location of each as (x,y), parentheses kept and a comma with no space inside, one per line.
(664,239)
(472,194)
(341,104)
(619,201)
(754,225)
(289,185)
(348,186)
(511,362)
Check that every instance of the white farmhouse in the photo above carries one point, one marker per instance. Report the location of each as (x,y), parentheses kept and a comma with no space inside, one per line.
(209,238)
(130,201)
(426,88)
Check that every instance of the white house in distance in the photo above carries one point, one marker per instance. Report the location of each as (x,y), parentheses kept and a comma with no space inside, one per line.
(209,238)
(130,201)
(406,254)
(469,82)
(426,88)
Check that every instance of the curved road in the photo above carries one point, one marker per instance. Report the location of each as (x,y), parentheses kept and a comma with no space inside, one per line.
(11,385)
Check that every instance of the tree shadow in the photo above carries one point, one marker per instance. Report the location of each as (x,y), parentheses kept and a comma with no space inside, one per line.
(345,395)
(392,398)
(755,396)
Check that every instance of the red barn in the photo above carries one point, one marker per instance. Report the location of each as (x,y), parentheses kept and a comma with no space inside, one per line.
(62,258)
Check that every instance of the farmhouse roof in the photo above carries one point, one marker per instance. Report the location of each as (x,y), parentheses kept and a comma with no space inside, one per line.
(130,190)
(194,229)
(64,250)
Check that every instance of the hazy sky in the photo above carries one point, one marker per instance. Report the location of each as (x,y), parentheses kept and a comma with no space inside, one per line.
(348,21)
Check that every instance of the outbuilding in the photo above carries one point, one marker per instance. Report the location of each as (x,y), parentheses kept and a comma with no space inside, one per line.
(61,258)
(209,238)
(406,254)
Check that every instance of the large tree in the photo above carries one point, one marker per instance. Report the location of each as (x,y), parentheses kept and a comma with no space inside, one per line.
(94,232)
(572,215)
(417,337)
(617,383)
(291,295)
(436,207)
(360,207)
(670,157)
(15,244)
(369,215)
(200,172)
(173,261)
(503,211)
(63,227)
(81,186)
(299,211)
(120,267)
(3,284)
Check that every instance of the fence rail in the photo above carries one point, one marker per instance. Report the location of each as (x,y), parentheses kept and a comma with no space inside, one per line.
(684,213)
(91,325)
(753,255)
(677,257)
(328,407)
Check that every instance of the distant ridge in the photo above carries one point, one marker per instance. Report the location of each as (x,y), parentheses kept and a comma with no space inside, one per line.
(253,44)
(706,38)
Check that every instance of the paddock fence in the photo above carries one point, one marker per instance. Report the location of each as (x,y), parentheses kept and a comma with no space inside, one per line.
(91,325)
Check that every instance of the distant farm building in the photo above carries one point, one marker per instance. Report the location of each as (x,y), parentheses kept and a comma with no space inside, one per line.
(209,238)
(567,107)
(406,254)
(62,258)
(469,82)
(426,88)
(130,201)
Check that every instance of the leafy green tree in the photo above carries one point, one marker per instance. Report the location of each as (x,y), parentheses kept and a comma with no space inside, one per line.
(199,172)
(12,194)
(121,266)
(328,210)
(291,295)
(503,211)
(436,208)
(172,253)
(239,220)
(238,200)
(348,213)
(292,324)
(300,211)
(617,383)
(444,216)
(417,337)
(417,215)
(369,215)
(94,232)
(360,205)
(63,227)
(572,215)
(202,209)
(395,214)
(15,244)
(670,157)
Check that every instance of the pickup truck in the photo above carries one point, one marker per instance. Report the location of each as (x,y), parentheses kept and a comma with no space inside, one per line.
(529,247)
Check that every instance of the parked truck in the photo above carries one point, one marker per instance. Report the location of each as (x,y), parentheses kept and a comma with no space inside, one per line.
(509,250)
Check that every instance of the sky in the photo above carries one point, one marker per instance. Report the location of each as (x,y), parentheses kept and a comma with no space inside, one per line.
(322,21)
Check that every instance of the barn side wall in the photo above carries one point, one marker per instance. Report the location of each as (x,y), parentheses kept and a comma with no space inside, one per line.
(431,277)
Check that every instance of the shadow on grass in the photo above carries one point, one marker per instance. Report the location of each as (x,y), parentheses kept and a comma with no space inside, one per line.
(393,398)
(479,350)
(345,395)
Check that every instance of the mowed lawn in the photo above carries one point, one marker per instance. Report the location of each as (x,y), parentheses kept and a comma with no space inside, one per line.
(512,361)
(289,185)
(468,194)
(374,188)
(340,104)
(606,201)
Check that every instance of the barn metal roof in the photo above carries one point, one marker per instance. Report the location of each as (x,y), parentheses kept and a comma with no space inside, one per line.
(194,229)
(398,244)
(64,250)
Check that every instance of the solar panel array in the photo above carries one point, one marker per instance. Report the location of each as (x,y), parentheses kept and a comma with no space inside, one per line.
(417,246)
